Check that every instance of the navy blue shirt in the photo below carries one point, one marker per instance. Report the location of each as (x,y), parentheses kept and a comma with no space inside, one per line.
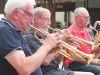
(10,39)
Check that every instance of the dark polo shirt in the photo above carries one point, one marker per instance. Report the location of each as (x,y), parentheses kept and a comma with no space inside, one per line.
(11,39)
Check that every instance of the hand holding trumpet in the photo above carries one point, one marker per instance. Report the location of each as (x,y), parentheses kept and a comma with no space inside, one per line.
(65,34)
(52,40)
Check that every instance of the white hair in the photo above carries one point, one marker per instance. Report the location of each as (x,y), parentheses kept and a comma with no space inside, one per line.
(78,10)
(39,11)
(13,4)
(96,23)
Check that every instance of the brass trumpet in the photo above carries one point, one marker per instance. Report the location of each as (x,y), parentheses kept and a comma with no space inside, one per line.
(91,44)
(66,45)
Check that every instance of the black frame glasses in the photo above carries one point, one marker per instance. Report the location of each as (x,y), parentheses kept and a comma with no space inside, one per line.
(30,15)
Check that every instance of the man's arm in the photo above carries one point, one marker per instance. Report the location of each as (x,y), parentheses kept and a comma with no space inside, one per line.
(26,65)
(49,58)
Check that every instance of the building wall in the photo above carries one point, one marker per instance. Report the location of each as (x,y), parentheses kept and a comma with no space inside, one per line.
(91,4)
(60,17)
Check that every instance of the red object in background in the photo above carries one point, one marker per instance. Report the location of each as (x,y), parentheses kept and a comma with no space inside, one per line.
(96,49)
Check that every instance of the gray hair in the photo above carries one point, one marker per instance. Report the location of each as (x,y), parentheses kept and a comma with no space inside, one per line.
(13,4)
(38,11)
(78,10)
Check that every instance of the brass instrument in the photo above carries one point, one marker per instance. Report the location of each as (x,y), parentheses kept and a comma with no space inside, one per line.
(59,50)
(97,40)
(88,57)
(96,37)
(91,44)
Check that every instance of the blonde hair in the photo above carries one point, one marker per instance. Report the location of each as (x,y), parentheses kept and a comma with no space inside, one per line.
(38,11)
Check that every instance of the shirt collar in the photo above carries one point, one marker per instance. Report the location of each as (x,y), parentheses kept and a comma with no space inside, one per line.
(10,24)
(76,30)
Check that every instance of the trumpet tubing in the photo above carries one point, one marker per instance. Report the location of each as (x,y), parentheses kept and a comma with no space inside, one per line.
(54,30)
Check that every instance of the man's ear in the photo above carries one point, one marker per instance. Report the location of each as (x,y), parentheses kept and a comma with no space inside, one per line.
(36,19)
(77,18)
(15,14)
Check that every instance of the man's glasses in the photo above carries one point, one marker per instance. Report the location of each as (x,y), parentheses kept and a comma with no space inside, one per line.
(30,15)
(46,19)
(86,17)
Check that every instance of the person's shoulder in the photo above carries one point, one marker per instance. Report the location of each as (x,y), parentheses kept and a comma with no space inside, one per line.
(4,27)
(5,24)
(29,35)
(71,27)
(2,24)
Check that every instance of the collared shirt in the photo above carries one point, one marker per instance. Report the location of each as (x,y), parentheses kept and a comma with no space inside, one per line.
(81,34)
(34,44)
(11,39)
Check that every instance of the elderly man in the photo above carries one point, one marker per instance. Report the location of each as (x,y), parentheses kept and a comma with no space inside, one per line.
(78,28)
(15,55)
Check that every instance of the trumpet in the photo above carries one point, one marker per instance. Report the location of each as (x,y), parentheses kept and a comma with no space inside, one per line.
(67,46)
(91,44)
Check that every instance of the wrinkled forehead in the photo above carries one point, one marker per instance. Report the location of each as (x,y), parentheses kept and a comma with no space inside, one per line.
(84,13)
(46,15)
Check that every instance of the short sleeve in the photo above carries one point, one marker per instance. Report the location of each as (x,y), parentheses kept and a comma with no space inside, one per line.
(9,41)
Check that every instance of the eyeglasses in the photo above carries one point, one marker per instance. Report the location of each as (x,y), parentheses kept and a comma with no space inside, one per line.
(46,19)
(86,17)
(30,15)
